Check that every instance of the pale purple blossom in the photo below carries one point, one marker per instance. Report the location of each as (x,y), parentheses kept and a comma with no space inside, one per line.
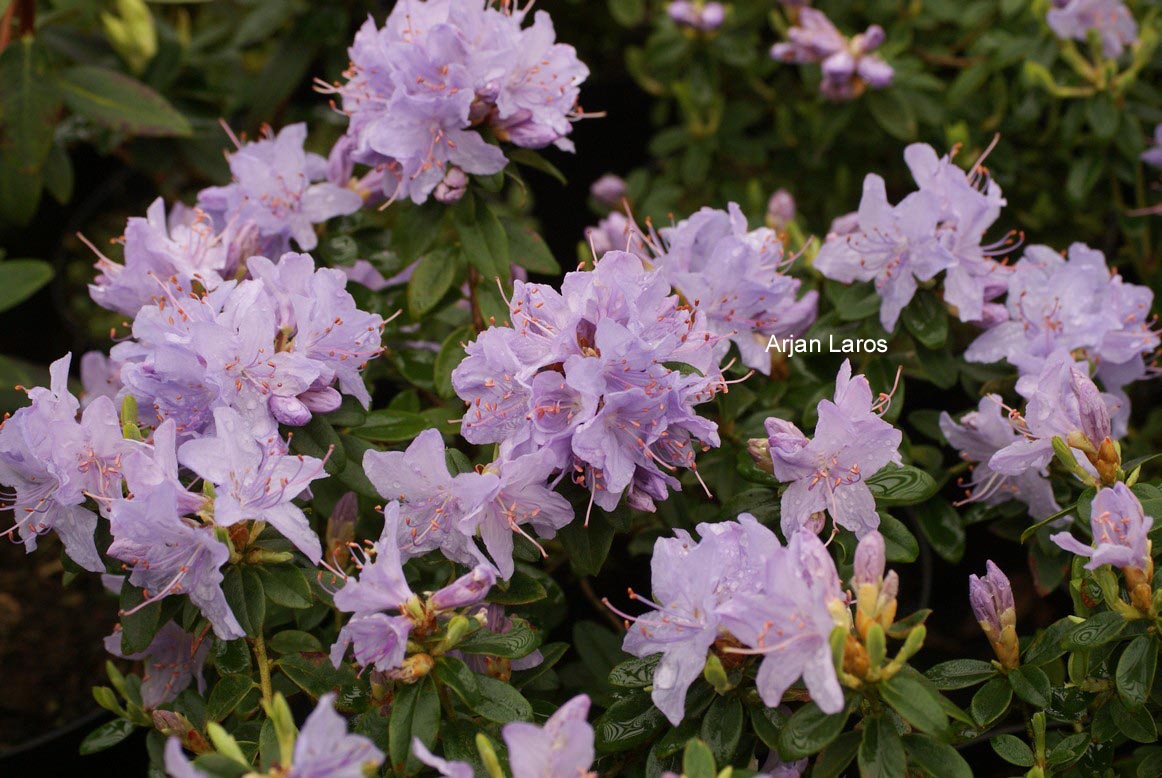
(172,661)
(697,14)
(443,767)
(615,232)
(1120,531)
(1153,155)
(418,88)
(563,746)
(253,481)
(735,277)
(279,190)
(828,472)
(51,463)
(977,436)
(325,749)
(609,190)
(591,375)
(1111,18)
(848,65)
(780,209)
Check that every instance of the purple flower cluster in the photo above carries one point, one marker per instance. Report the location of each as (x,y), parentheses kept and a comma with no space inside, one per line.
(379,639)
(323,749)
(1111,19)
(1077,304)
(600,378)
(449,512)
(1120,532)
(937,228)
(848,65)
(826,473)
(420,89)
(734,278)
(563,746)
(779,602)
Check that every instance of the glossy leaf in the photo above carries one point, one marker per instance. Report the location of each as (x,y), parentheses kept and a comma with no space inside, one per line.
(120,103)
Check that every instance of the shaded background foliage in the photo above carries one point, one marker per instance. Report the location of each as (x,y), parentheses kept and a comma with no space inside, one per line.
(691,121)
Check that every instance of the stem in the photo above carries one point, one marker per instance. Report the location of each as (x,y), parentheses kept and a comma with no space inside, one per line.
(263,669)
(474,301)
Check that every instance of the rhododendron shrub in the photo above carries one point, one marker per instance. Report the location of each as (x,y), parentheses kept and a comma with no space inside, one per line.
(380,484)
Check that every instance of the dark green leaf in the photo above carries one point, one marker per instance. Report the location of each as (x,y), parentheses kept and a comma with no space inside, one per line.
(106,736)
(293,641)
(960,673)
(286,585)
(937,759)
(519,641)
(941,525)
(415,713)
(893,111)
(635,673)
(20,279)
(1047,645)
(1098,629)
(1069,749)
(1031,685)
(483,239)
(450,355)
(458,677)
(628,723)
(901,485)
(29,103)
(881,752)
(808,731)
(991,701)
(246,598)
(532,159)
(119,102)
(722,728)
(833,760)
(551,653)
(900,544)
(1135,673)
(588,547)
(1136,723)
(698,761)
(138,627)
(927,320)
(392,426)
(529,250)
(919,705)
(231,657)
(767,723)
(500,702)
(433,277)
(226,695)
(1013,750)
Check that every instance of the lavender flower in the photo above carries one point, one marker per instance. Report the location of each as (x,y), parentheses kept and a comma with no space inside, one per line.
(419,86)
(1062,403)
(1120,532)
(733,276)
(991,598)
(586,375)
(173,659)
(609,190)
(696,14)
(563,746)
(616,233)
(279,190)
(445,768)
(1071,304)
(848,66)
(52,463)
(162,257)
(253,482)
(687,614)
(827,472)
(1153,155)
(1111,18)
(789,622)
(167,553)
(780,209)
(978,435)
(325,749)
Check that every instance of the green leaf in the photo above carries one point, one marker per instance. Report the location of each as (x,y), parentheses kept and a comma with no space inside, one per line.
(458,677)
(286,585)
(892,111)
(500,702)
(1102,115)
(722,728)
(551,654)
(808,731)
(881,752)
(20,279)
(960,673)
(482,239)
(587,547)
(532,159)
(246,598)
(231,657)
(1031,685)
(519,641)
(853,301)
(120,103)
(943,528)
(767,723)
(29,103)
(528,249)
(389,425)
(414,713)
(450,355)
(293,641)
(900,544)
(315,675)
(1069,749)
(1098,629)
(1137,724)
(936,758)
(1135,673)
(139,627)
(1047,645)
(635,673)
(698,761)
(627,13)
(226,695)
(434,276)
(1013,750)
(991,701)
(919,706)
(628,723)
(833,760)
(521,589)
(905,485)
(106,736)
(927,320)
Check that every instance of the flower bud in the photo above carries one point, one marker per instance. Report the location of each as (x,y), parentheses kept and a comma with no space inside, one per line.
(780,209)
(290,411)
(171,723)
(609,190)
(760,451)
(715,674)
(413,669)
(458,626)
(991,598)
(869,560)
(1094,414)
(453,187)
(488,756)
(466,590)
